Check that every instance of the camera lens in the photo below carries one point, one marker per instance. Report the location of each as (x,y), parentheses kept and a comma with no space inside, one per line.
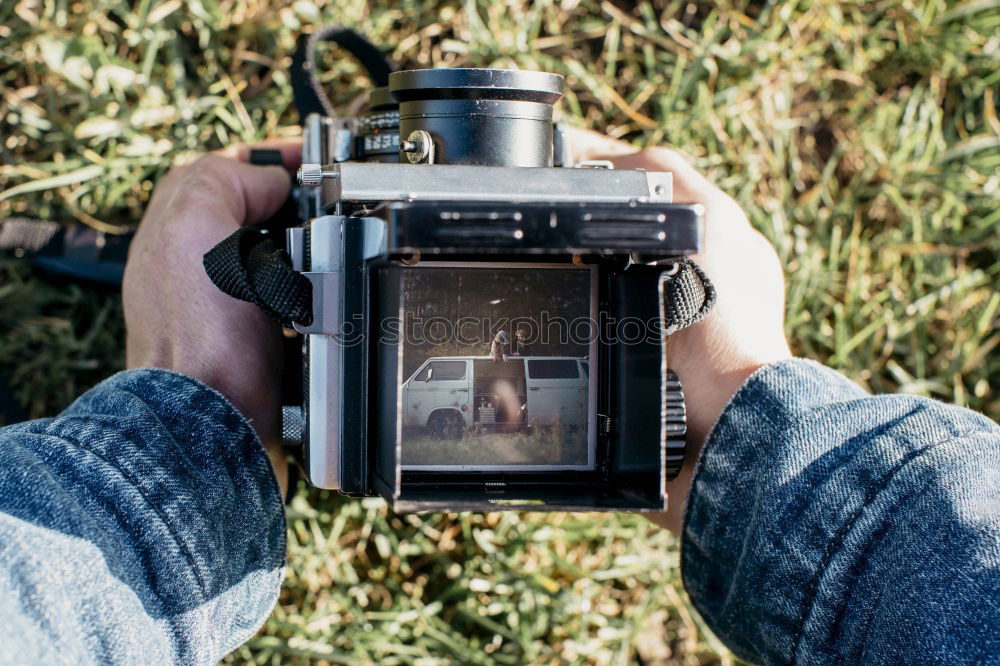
(484,117)
(378,130)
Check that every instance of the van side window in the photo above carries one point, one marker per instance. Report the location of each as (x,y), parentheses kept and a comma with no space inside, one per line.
(443,371)
(586,367)
(553,369)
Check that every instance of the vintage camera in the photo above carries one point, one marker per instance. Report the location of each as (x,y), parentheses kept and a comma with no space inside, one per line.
(486,323)
(469,287)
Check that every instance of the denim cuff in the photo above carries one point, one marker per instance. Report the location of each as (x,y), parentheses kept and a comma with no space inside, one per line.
(794,493)
(731,552)
(195,500)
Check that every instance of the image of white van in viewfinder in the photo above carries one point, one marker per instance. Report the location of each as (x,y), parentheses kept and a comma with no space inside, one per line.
(449,394)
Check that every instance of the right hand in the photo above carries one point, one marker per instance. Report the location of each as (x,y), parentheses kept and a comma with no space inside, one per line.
(744,332)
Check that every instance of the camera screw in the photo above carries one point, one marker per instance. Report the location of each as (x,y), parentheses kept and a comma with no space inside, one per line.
(310,175)
(418,147)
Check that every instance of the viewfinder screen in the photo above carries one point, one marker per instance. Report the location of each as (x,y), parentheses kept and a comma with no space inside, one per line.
(496,367)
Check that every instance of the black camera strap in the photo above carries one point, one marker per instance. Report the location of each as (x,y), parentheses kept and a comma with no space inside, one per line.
(248,265)
(306,88)
(687,295)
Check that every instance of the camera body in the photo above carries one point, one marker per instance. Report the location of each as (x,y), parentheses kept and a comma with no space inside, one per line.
(487,318)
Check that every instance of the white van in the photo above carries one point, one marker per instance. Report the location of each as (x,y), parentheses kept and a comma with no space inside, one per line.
(449,394)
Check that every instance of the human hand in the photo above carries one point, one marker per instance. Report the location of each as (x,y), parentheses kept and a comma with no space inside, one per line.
(746,328)
(176,318)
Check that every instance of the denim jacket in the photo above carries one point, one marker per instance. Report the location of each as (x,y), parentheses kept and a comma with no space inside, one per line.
(824,526)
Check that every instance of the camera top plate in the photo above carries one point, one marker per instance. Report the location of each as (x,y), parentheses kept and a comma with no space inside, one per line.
(375,181)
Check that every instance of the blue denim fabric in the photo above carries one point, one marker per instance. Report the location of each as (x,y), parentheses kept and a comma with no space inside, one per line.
(142,526)
(829,526)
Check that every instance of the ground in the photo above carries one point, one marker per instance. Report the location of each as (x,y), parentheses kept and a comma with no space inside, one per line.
(862,138)
(540,447)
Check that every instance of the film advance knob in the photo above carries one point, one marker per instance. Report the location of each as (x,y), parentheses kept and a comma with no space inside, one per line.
(674,424)
(310,175)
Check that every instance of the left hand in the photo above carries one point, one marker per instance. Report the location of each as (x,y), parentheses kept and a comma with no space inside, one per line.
(176,318)
(745,330)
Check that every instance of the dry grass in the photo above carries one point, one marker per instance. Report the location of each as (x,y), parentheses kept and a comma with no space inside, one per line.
(862,138)
(552,446)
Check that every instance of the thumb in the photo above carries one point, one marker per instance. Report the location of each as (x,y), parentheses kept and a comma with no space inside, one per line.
(256,192)
(226,191)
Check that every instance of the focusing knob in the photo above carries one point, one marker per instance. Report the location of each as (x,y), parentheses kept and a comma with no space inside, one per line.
(292,425)
(674,424)
(310,175)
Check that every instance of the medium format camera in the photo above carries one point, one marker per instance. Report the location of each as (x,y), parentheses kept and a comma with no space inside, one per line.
(483,323)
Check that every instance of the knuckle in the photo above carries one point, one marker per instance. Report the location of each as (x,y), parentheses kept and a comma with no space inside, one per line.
(764,247)
(732,207)
(174,175)
(209,184)
(176,171)
(666,157)
(205,167)
(202,177)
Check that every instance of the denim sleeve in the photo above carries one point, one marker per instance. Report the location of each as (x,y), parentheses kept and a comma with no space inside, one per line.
(829,526)
(143,525)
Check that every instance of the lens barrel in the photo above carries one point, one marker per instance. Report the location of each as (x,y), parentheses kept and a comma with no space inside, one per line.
(483,117)
(378,129)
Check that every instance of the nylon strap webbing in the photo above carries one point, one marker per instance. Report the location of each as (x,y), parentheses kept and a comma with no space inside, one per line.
(687,296)
(250,267)
(306,89)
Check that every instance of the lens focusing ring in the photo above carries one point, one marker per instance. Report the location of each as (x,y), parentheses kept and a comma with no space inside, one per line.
(380,121)
(480,117)
(472,83)
(377,137)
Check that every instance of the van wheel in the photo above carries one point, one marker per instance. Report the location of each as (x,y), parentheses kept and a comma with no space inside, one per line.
(448,426)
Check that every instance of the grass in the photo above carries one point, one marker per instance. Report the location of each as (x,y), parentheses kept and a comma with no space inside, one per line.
(556,446)
(862,138)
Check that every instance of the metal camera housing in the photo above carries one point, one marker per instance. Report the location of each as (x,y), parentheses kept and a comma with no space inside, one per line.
(467,165)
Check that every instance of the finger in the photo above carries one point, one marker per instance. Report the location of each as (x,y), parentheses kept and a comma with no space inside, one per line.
(230,191)
(587,145)
(290,149)
(165,189)
(291,157)
(689,185)
(258,192)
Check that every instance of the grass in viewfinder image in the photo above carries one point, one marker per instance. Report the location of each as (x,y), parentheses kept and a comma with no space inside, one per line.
(542,446)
